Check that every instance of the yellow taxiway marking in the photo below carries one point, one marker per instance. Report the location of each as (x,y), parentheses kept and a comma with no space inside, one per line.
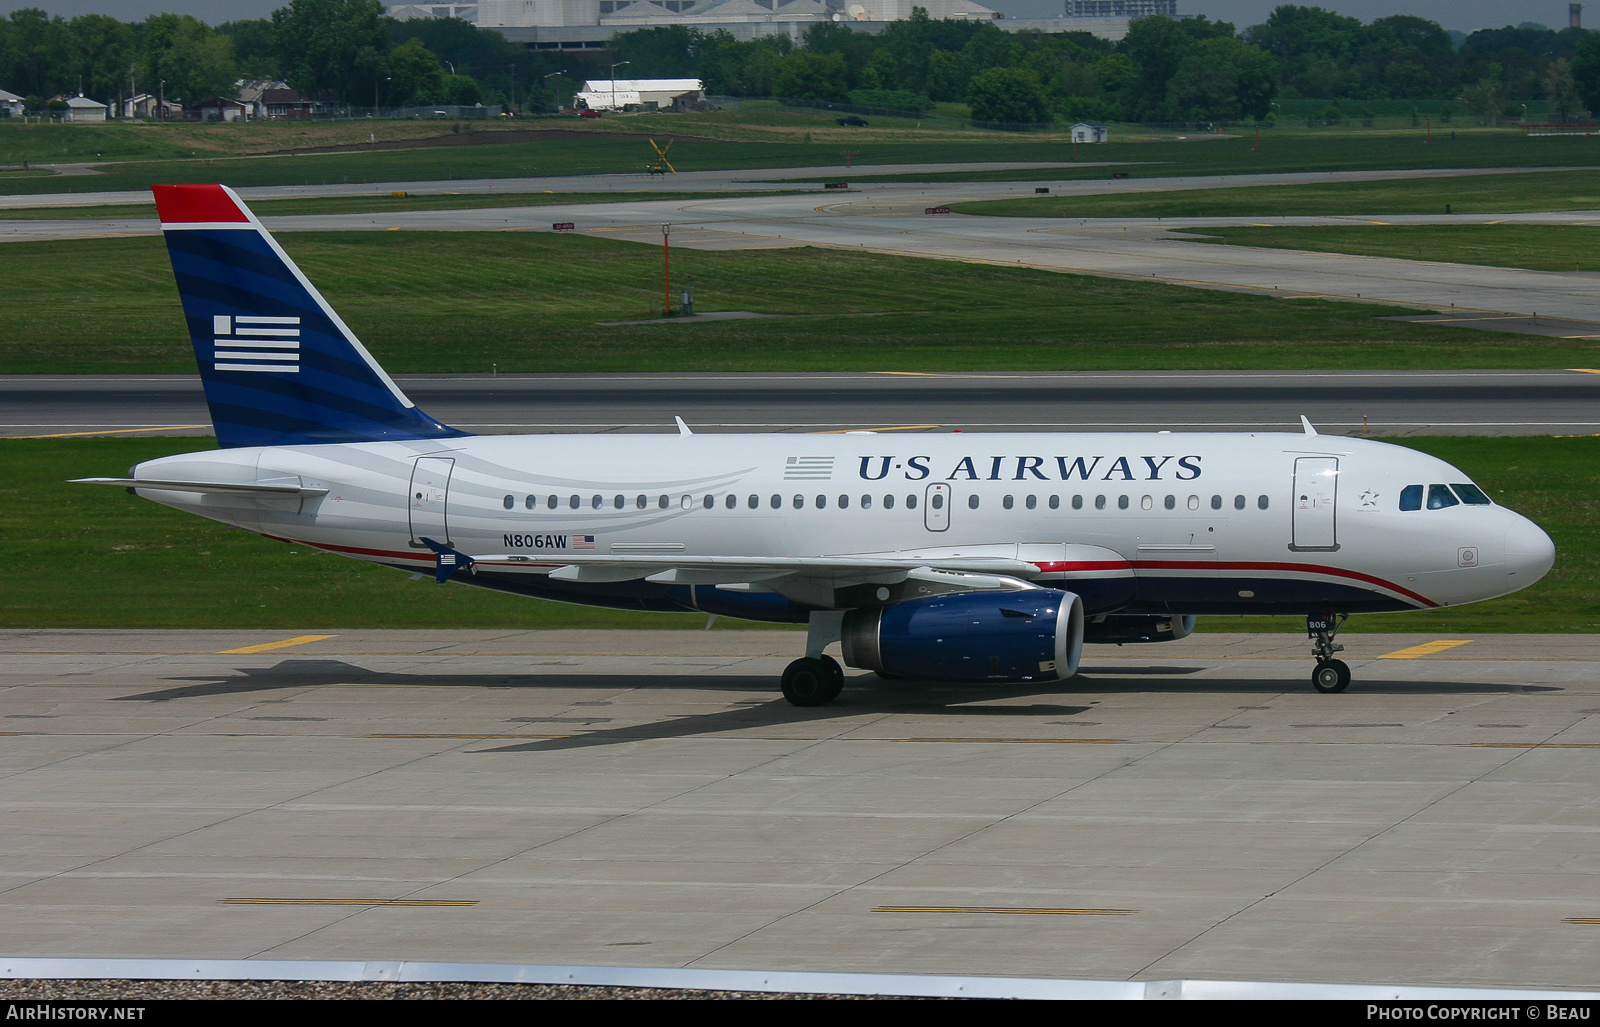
(1033,910)
(1585,370)
(351,902)
(893,427)
(1582,920)
(1021,741)
(115,431)
(265,646)
(1425,649)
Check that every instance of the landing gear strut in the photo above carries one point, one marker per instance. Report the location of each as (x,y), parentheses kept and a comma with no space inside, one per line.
(1330,675)
(816,679)
(813,681)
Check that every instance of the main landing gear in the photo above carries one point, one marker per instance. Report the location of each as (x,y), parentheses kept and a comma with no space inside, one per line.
(816,679)
(1330,675)
(813,681)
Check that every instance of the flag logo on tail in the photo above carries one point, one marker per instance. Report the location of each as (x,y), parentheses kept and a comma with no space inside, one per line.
(257,343)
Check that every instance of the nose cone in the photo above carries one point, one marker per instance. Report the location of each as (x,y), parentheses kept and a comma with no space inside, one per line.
(1529,553)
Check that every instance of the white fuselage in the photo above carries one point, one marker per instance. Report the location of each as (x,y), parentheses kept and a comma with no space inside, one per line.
(1182,523)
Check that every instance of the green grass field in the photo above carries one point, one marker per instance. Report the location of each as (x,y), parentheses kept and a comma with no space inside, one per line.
(1535,247)
(384,203)
(93,557)
(524,301)
(135,156)
(1465,194)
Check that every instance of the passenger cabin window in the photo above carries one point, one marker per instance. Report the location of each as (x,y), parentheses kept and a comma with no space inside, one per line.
(911,502)
(888,502)
(1238,502)
(1122,502)
(1216,502)
(509,502)
(1007,502)
(1411,497)
(1261,502)
(1077,502)
(972,501)
(1471,494)
(1440,496)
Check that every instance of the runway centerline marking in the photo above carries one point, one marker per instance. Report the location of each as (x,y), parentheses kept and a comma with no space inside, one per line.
(268,646)
(1425,649)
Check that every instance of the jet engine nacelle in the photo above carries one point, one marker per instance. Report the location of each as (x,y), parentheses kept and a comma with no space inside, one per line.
(1030,635)
(1120,630)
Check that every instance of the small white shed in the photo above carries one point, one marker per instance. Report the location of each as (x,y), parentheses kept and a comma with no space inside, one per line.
(82,109)
(1088,132)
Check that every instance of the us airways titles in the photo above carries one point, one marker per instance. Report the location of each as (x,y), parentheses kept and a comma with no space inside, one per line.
(1040,468)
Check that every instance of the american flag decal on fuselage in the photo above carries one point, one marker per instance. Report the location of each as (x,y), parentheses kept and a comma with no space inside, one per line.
(257,343)
(808,468)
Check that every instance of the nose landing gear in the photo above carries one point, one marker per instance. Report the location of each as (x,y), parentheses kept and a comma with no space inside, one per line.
(1330,675)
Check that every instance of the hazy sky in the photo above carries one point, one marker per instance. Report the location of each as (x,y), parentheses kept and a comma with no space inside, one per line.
(1465,15)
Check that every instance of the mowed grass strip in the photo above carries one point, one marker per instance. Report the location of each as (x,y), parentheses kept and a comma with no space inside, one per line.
(441,302)
(717,141)
(94,557)
(386,203)
(1463,194)
(1535,247)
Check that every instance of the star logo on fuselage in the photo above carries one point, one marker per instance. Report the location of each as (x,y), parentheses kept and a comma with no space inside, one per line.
(1369,499)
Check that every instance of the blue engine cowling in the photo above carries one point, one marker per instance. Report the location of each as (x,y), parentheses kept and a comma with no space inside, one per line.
(1030,635)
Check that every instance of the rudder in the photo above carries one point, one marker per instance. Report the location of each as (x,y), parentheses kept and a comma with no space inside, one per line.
(279,365)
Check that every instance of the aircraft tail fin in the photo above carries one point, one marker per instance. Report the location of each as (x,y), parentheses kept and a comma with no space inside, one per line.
(279,366)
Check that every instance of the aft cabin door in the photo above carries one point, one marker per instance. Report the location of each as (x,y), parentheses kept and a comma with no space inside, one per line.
(1316,487)
(430,491)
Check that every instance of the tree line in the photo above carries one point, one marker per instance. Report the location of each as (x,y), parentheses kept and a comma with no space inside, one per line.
(1165,69)
(346,51)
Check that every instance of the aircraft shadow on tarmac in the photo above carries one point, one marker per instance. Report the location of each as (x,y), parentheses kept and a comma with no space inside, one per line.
(863,694)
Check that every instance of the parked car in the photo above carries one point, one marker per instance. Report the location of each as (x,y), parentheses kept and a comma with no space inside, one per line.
(854,121)
(588,114)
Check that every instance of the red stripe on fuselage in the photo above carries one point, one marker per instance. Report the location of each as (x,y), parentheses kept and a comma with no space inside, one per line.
(1292,568)
(1047,567)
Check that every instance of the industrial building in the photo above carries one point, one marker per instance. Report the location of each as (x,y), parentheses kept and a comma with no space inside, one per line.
(590,24)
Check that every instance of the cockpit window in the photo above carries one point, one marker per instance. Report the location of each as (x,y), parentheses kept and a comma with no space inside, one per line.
(1411,497)
(1440,496)
(1471,494)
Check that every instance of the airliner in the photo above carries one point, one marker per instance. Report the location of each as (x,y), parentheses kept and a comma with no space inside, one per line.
(957,557)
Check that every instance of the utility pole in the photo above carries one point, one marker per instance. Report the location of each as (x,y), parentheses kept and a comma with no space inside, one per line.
(666,272)
(614,68)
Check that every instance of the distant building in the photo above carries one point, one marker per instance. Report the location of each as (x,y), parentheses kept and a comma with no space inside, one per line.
(1088,132)
(1120,8)
(82,110)
(604,94)
(217,108)
(148,105)
(11,103)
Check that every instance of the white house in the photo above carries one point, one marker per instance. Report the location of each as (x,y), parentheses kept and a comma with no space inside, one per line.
(12,103)
(604,94)
(81,109)
(1085,132)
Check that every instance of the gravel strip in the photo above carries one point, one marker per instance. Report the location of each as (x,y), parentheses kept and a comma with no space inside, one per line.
(125,990)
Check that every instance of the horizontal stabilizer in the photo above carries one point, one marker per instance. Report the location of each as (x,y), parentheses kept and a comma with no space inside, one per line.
(447,561)
(219,487)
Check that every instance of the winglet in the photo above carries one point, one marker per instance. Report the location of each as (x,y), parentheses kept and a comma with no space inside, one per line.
(449,560)
(683,429)
(1306,424)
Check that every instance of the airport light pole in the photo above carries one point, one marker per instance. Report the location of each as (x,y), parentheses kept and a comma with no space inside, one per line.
(550,76)
(666,272)
(614,68)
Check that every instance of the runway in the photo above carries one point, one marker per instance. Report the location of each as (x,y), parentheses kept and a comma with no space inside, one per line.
(1191,810)
(888,217)
(1375,402)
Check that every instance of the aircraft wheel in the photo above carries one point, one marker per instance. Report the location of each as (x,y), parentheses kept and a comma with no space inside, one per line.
(812,682)
(1331,676)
